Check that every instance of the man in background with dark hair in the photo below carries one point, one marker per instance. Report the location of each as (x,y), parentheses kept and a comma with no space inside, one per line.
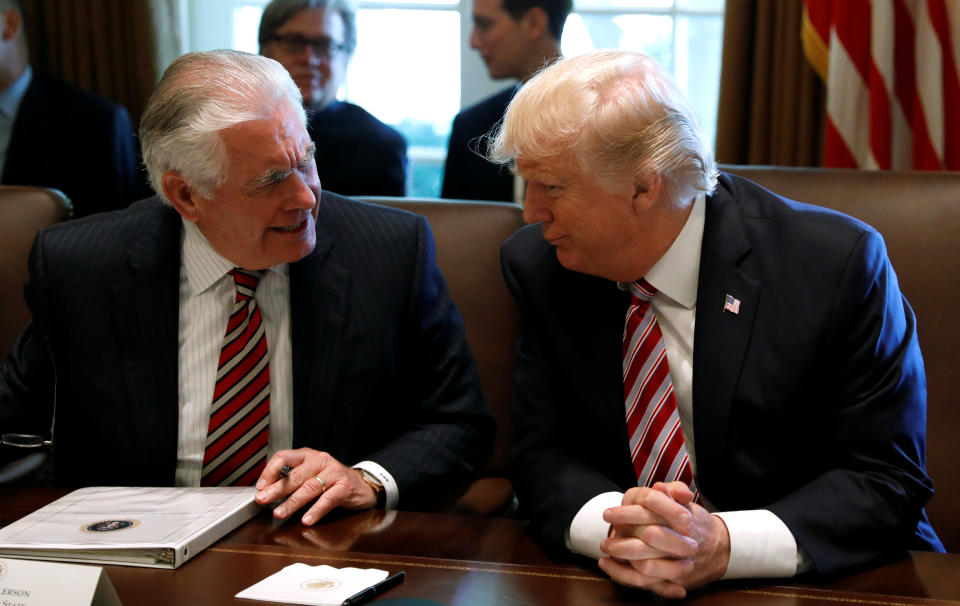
(314,40)
(515,39)
(54,135)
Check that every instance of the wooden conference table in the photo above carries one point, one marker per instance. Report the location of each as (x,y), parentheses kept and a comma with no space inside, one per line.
(470,561)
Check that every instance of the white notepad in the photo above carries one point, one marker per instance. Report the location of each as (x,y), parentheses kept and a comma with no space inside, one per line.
(313,585)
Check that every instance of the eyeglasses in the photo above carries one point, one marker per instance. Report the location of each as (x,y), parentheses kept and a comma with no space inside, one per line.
(24,440)
(321,47)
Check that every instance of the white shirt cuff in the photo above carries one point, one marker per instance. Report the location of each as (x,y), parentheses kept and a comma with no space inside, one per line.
(588,530)
(390,490)
(761,545)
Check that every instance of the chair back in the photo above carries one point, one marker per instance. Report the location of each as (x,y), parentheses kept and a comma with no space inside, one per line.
(23,211)
(468,237)
(918,214)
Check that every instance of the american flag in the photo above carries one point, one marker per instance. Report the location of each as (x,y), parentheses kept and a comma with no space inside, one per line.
(731,304)
(893,91)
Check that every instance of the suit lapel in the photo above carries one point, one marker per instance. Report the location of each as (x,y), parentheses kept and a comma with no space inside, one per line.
(609,348)
(598,307)
(146,301)
(319,290)
(721,336)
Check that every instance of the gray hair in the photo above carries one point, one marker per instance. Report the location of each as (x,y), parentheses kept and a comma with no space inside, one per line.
(199,95)
(279,12)
(619,113)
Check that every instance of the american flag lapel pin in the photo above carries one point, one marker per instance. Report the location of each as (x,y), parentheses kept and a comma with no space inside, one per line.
(731,304)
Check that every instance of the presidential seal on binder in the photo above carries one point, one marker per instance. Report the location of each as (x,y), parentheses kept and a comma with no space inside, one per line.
(110,525)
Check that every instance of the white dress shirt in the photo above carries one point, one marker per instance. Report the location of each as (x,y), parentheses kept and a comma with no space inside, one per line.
(761,545)
(206,299)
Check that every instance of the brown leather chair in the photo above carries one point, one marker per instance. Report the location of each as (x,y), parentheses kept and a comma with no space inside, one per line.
(918,214)
(23,211)
(468,236)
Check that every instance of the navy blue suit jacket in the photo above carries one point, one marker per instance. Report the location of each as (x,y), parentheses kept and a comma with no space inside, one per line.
(468,175)
(357,155)
(381,369)
(76,142)
(810,402)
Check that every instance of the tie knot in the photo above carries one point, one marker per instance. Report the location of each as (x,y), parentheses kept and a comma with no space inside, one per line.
(642,290)
(246,282)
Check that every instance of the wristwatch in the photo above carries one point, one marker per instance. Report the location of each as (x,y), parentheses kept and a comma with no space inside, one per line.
(371,480)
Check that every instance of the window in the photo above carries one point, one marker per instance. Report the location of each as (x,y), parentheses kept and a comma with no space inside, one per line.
(406,72)
(414,68)
(685,36)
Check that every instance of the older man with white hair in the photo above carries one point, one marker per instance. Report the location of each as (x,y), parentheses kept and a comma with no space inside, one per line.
(713,381)
(247,328)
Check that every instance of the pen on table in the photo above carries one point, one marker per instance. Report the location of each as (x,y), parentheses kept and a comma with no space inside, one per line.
(374,590)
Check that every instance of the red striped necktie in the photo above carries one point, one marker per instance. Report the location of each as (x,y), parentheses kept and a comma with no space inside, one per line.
(239,430)
(653,424)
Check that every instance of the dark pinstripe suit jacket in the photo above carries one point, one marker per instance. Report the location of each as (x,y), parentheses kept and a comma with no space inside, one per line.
(381,369)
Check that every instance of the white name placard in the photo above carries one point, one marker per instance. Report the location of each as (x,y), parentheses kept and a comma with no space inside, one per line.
(29,583)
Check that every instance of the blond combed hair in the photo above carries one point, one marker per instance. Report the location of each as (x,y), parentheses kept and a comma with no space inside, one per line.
(618,113)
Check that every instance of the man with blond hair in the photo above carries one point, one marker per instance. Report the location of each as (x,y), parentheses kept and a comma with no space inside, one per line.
(713,381)
(243,327)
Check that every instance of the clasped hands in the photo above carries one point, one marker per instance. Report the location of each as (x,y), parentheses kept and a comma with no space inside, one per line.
(664,542)
(342,486)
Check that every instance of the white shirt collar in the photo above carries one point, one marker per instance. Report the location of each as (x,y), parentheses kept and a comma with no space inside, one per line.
(204,266)
(676,274)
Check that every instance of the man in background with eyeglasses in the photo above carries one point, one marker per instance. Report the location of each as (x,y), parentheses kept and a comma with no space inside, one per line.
(314,40)
(515,38)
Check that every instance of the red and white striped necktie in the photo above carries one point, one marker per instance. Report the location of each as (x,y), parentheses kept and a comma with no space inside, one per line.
(653,424)
(238,434)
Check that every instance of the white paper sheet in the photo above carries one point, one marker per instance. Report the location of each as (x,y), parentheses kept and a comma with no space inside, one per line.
(313,585)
